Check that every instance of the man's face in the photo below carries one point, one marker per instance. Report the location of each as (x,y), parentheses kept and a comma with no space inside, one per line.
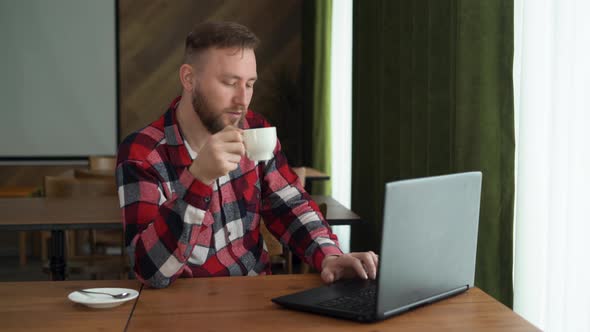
(224,83)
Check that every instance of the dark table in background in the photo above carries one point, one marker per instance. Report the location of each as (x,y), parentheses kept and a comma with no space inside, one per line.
(312,175)
(337,214)
(60,214)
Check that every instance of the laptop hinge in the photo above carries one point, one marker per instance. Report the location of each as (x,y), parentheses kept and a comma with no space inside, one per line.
(426,301)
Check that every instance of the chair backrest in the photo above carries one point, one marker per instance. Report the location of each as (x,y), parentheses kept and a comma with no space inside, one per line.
(274,246)
(300,171)
(102,163)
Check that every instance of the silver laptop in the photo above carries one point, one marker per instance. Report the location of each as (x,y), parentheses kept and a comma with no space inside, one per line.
(428,249)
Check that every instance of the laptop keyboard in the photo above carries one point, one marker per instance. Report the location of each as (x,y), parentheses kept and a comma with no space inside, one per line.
(362,302)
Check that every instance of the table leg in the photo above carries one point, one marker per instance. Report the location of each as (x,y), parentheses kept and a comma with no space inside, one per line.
(308,186)
(57,263)
(22,248)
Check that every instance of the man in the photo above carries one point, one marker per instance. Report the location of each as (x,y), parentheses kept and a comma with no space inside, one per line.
(192,201)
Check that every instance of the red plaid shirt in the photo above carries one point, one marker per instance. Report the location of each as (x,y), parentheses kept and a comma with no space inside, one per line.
(176,226)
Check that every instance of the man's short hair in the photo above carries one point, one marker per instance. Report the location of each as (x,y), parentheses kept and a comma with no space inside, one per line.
(218,35)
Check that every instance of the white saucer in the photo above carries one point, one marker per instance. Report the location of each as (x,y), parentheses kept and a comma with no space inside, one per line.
(100,300)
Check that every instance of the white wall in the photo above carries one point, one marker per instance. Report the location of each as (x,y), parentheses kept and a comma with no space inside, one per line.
(57,78)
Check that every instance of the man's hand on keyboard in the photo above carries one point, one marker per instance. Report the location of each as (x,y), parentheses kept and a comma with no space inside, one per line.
(356,264)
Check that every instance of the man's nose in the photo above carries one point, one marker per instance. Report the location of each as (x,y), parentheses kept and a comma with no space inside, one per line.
(241,97)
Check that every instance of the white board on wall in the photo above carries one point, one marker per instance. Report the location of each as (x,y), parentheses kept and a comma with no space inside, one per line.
(58,78)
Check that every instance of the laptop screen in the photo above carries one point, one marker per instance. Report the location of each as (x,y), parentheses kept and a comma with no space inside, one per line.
(429,238)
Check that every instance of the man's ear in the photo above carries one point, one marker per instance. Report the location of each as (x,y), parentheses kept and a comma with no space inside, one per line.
(186,74)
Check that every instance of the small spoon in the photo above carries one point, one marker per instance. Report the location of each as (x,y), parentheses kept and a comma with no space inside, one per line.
(116,296)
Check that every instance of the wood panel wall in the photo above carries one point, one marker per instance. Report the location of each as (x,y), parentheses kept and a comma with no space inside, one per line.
(152,38)
(151,44)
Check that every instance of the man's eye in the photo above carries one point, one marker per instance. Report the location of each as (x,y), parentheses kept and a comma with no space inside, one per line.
(229,83)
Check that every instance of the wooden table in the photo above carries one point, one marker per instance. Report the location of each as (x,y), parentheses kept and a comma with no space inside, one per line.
(312,175)
(57,215)
(94,173)
(41,213)
(19,191)
(243,304)
(337,214)
(315,175)
(44,306)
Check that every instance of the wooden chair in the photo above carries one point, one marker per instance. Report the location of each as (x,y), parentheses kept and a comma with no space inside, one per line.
(277,252)
(98,168)
(275,249)
(96,265)
(300,171)
(102,163)
(102,167)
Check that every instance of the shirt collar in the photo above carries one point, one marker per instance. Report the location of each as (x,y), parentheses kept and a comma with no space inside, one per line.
(178,153)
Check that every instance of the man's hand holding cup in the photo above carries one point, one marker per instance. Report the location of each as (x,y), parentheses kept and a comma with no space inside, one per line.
(220,155)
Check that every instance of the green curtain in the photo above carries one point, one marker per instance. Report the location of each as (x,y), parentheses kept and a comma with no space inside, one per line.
(320,143)
(432,94)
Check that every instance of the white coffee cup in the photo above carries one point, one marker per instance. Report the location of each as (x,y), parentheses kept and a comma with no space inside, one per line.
(260,143)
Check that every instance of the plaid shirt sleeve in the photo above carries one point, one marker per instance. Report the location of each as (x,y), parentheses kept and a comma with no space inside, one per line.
(292,216)
(160,232)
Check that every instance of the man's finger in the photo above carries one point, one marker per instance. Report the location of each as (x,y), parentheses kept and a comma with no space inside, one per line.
(327,276)
(231,127)
(357,265)
(370,265)
(233,158)
(375,258)
(234,148)
(230,134)
(369,260)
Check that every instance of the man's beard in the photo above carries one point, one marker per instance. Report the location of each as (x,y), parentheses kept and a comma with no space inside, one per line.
(212,120)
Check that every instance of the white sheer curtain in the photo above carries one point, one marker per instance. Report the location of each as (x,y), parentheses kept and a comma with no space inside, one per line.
(552,216)
(341,104)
